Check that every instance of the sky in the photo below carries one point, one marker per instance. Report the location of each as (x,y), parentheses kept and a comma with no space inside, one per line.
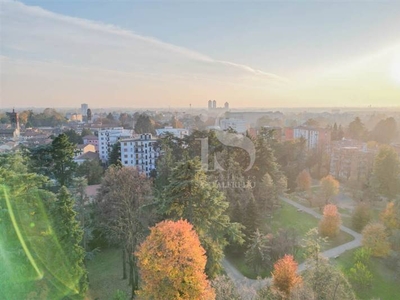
(177,53)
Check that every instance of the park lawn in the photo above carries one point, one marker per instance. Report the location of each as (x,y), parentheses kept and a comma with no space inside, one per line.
(384,285)
(288,217)
(105,275)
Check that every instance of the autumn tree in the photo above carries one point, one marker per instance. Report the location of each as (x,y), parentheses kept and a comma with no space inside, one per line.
(386,172)
(284,276)
(362,215)
(171,262)
(190,196)
(329,225)
(304,181)
(124,209)
(391,216)
(329,187)
(375,237)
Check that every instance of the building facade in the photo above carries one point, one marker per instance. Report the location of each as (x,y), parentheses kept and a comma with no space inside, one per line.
(177,132)
(141,152)
(240,126)
(84,108)
(108,137)
(315,137)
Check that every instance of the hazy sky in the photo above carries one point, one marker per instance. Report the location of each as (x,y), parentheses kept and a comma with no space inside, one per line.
(176,53)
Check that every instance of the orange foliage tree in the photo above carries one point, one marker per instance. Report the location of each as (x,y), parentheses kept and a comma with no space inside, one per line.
(284,275)
(303,181)
(171,263)
(375,237)
(329,225)
(329,187)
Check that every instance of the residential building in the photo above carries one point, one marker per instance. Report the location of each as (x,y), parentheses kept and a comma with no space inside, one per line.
(141,152)
(108,137)
(352,163)
(238,125)
(90,155)
(84,108)
(177,132)
(91,139)
(315,137)
(82,149)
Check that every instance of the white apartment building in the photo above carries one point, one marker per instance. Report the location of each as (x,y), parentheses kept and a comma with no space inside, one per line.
(177,132)
(140,152)
(108,137)
(240,126)
(314,136)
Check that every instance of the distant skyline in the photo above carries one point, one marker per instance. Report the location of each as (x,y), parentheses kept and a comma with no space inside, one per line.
(176,53)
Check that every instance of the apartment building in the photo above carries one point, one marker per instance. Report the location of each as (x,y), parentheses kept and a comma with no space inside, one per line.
(315,137)
(108,137)
(141,152)
(177,132)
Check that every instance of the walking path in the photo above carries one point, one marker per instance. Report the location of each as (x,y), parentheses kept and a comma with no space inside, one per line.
(241,280)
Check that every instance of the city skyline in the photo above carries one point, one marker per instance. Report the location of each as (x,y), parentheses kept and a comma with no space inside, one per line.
(62,55)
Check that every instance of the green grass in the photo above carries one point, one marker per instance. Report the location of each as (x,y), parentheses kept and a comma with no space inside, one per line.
(105,275)
(383,286)
(288,217)
(240,264)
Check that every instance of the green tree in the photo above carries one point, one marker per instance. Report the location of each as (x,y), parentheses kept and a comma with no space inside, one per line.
(385,131)
(62,154)
(70,234)
(91,170)
(73,137)
(85,132)
(357,129)
(190,196)
(386,173)
(144,125)
(321,278)
(362,215)
(360,276)
(258,253)
(115,155)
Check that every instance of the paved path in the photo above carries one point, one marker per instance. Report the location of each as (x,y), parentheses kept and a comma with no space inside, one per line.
(241,280)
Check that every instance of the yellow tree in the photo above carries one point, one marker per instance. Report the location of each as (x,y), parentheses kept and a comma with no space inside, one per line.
(329,187)
(391,216)
(375,237)
(304,181)
(284,275)
(329,225)
(171,263)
